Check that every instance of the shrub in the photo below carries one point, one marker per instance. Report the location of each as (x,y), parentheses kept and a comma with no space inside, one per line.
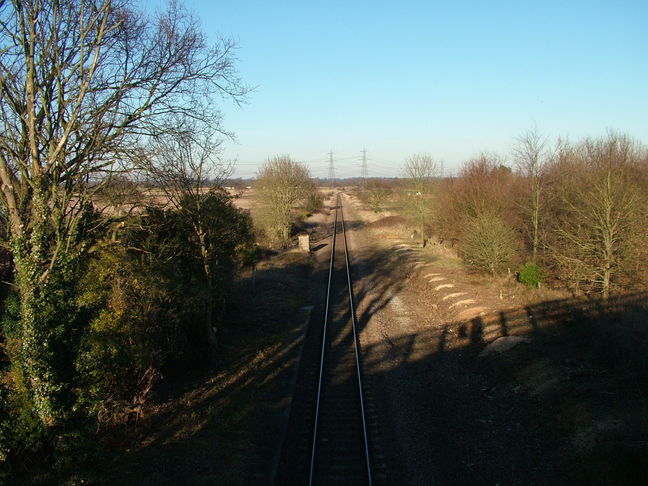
(130,334)
(313,202)
(489,243)
(23,437)
(531,274)
(376,195)
(282,185)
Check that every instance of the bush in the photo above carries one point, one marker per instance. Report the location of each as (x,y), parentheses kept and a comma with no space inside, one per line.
(489,243)
(147,300)
(23,437)
(282,185)
(132,331)
(531,274)
(313,202)
(376,195)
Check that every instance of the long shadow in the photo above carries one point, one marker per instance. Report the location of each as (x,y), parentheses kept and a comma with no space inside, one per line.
(585,354)
(222,428)
(453,429)
(441,414)
(338,381)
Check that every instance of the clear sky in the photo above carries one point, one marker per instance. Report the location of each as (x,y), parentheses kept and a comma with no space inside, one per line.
(451,78)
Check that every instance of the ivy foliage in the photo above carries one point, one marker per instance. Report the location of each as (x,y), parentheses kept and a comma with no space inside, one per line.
(113,321)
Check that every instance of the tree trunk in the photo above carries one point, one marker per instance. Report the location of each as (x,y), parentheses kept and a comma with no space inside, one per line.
(210,334)
(285,232)
(42,314)
(605,288)
(608,230)
(37,374)
(535,222)
(209,315)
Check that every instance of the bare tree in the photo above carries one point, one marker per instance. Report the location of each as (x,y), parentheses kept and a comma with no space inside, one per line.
(420,170)
(82,84)
(119,196)
(185,166)
(377,194)
(531,156)
(186,163)
(600,215)
(489,243)
(282,183)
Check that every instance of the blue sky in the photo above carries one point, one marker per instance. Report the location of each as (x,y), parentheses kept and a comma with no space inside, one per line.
(448,78)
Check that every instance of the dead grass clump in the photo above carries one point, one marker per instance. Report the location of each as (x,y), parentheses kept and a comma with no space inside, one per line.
(388,222)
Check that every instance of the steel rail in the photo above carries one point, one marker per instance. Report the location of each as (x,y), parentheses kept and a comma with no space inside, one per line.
(311,474)
(357,350)
(311,477)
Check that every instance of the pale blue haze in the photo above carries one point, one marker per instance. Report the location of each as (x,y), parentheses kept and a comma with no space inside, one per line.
(448,78)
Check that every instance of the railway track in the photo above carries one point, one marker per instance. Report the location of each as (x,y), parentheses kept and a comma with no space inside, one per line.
(327,441)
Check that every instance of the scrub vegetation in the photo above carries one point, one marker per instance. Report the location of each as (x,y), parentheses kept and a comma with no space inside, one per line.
(107,289)
(573,215)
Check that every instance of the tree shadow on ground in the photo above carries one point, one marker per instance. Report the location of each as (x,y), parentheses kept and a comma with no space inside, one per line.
(220,426)
(566,405)
(564,408)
